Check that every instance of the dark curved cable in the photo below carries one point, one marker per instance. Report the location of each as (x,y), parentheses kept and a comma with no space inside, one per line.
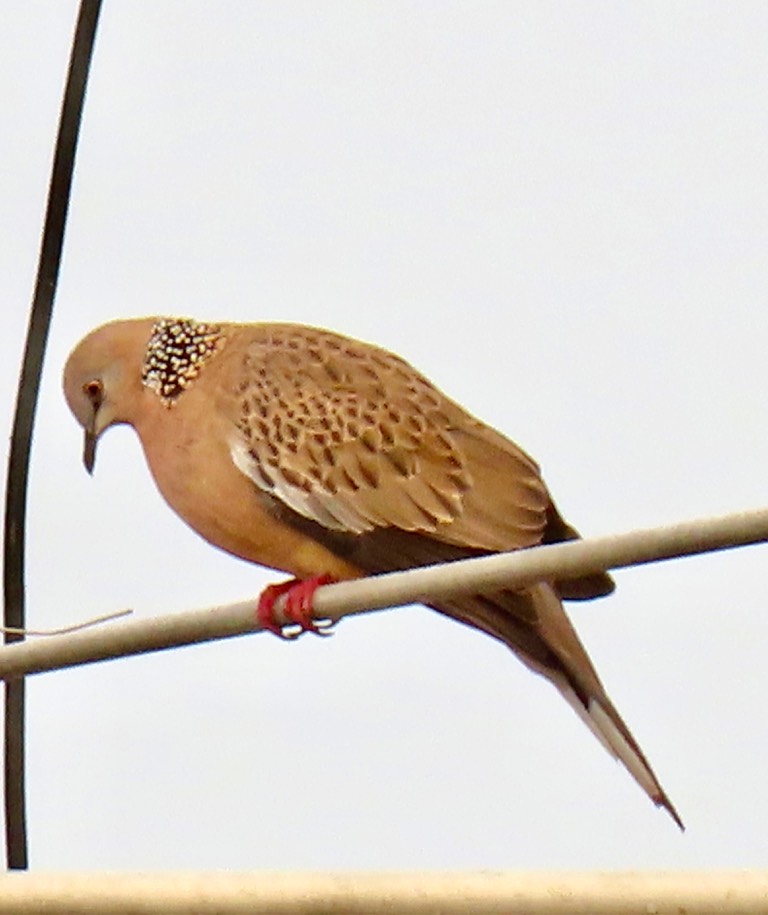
(26,406)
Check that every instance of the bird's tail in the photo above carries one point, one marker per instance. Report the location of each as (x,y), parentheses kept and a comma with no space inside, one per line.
(535,626)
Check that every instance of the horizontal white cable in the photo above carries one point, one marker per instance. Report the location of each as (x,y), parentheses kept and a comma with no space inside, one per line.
(492,893)
(508,570)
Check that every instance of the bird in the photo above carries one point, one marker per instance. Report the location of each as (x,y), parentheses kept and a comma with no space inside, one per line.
(318,455)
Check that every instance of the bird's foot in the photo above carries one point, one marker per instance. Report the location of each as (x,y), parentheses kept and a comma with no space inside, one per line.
(298,608)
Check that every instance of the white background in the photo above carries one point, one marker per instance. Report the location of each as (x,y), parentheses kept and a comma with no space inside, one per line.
(559,212)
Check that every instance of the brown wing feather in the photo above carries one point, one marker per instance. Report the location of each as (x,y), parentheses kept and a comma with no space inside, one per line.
(352,437)
(587,587)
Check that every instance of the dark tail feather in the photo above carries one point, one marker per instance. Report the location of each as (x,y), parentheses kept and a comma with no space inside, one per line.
(535,626)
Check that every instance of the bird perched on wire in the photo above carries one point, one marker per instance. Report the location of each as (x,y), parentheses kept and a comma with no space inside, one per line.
(329,458)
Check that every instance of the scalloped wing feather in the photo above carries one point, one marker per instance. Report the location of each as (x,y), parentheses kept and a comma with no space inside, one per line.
(353,438)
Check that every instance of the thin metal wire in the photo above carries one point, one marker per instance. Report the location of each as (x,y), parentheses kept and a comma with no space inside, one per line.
(26,407)
(65,630)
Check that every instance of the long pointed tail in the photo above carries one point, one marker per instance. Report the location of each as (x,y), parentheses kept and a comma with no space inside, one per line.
(601,717)
(535,626)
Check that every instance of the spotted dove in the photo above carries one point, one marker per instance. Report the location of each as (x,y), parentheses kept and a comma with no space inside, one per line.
(309,452)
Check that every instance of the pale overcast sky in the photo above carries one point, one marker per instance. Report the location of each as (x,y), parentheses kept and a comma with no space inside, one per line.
(559,212)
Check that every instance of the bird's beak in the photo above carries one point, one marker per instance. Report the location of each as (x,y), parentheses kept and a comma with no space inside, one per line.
(89,444)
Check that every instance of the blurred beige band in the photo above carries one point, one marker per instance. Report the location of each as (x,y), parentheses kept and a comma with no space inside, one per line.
(650,893)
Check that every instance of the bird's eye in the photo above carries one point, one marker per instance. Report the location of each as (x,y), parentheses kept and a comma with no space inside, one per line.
(94,390)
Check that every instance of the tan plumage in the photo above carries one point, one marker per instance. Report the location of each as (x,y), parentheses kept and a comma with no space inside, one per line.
(312,453)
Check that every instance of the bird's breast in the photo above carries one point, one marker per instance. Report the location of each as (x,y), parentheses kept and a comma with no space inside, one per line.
(189,456)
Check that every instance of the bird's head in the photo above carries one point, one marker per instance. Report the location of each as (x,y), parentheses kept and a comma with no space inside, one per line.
(102,379)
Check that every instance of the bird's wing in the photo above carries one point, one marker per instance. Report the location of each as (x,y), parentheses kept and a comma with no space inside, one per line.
(351,437)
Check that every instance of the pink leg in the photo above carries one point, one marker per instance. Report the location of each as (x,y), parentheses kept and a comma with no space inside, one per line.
(298,610)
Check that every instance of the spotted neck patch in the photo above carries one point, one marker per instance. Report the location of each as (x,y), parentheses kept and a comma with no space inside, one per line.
(176,352)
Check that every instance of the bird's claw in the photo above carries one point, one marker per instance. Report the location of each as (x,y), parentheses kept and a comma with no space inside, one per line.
(298,608)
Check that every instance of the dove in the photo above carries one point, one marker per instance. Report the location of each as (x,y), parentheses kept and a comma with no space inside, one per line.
(328,458)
